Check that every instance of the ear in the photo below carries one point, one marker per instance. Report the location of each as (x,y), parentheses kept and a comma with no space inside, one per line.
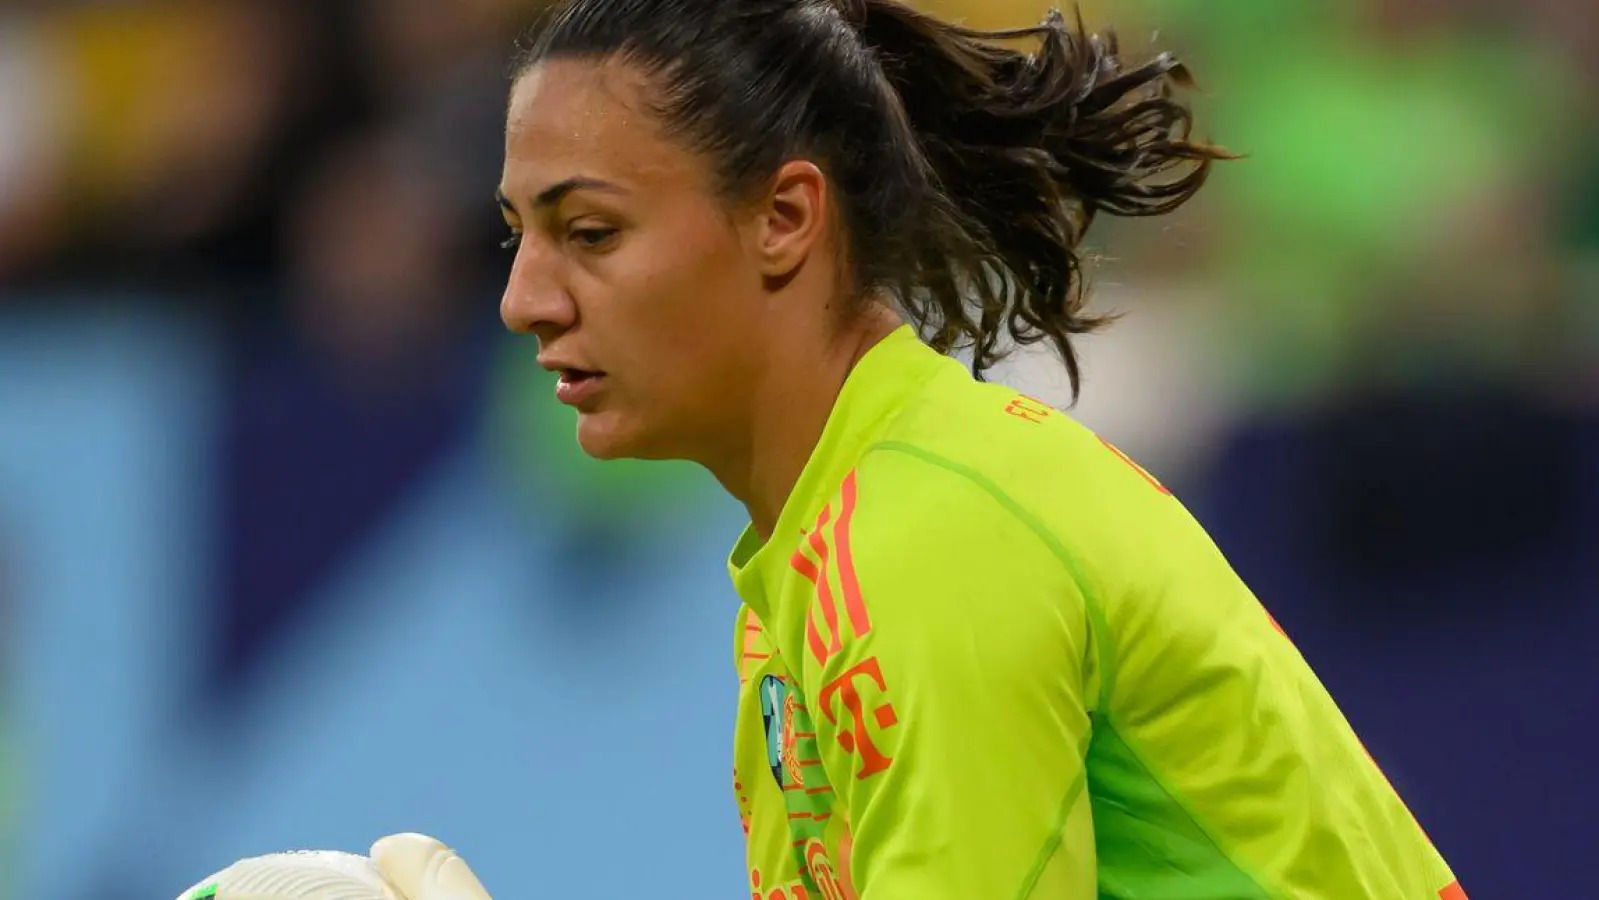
(791,219)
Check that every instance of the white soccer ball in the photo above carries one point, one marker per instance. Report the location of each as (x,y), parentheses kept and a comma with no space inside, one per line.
(299,875)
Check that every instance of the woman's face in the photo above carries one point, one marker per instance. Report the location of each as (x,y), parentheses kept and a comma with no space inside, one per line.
(642,285)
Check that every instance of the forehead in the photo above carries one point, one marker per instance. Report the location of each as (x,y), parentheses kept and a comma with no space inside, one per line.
(571,117)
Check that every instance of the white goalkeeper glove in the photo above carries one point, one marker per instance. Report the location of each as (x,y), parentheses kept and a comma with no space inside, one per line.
(422,868)
(401,867)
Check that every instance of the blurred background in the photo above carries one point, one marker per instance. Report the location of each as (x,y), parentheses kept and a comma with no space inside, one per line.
(295,550)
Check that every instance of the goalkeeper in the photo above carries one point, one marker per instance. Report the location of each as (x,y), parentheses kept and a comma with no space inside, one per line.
(982,654)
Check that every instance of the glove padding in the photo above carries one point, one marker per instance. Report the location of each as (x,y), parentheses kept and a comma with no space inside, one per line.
(299,875)
(401,867)
(419,867)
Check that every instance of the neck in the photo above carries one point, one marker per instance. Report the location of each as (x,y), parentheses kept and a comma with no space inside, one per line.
(791,411)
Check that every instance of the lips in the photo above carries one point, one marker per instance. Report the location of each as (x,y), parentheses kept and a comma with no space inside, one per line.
(576,386)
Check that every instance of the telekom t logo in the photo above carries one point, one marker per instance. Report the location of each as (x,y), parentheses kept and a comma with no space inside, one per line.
(856,736)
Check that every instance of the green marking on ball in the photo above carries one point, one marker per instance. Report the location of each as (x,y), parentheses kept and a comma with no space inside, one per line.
(209,892)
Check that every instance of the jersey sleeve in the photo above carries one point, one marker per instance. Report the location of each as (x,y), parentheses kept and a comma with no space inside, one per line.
(946,665)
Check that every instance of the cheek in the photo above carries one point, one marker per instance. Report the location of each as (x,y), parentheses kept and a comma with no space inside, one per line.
(697,306)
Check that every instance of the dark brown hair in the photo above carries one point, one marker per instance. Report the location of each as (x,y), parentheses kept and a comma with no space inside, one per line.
(966,169)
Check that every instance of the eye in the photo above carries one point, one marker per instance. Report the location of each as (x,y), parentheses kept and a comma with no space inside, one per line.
(592,238)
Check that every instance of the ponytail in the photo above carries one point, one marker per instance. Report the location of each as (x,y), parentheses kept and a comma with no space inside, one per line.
(1026,149)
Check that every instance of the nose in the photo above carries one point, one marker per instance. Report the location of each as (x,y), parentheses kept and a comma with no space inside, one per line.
(536,300)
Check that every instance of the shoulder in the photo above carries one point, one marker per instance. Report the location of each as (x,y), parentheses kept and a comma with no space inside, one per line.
(964,456)
(923,565)
(911,527)
(1056,476)
(994,434)
(982,475)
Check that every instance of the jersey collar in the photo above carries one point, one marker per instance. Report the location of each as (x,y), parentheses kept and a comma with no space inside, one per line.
(876,389)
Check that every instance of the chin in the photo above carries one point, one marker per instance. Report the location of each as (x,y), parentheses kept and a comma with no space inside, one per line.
(607,435)
(604,436)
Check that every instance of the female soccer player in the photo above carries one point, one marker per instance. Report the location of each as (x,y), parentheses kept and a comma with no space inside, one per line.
(982,654)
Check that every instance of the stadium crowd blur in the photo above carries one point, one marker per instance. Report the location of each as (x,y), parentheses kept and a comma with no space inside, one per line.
(1367,357)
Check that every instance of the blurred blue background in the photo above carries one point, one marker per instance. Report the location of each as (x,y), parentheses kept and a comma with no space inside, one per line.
(295,549)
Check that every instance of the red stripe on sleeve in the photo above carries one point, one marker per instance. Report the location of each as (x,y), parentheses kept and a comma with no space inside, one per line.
(854,605)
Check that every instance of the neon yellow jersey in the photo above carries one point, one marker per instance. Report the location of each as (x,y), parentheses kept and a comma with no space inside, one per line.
(985,655)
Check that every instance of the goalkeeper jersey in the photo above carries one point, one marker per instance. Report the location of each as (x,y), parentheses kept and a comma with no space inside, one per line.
(985,655)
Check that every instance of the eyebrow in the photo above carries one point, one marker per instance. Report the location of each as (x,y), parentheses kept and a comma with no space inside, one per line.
(555,193)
